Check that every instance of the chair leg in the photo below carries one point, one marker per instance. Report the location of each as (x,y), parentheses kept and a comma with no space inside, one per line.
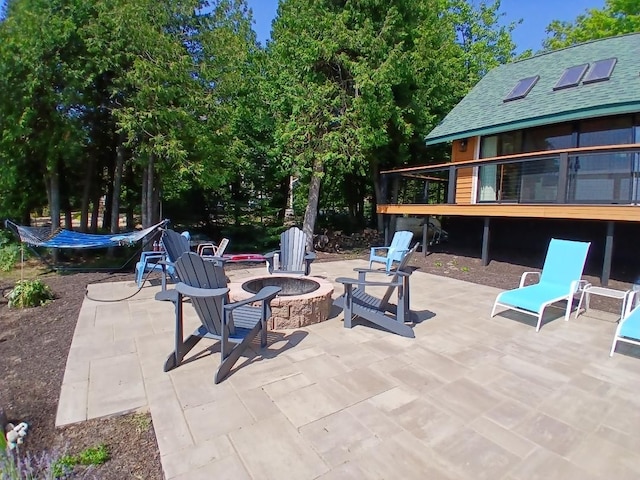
(227,363)
(613,345)
(495,305)
(567,314)
(540,315)
(140,267)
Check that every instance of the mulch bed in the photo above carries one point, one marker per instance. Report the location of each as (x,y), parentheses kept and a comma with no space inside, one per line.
(34,344)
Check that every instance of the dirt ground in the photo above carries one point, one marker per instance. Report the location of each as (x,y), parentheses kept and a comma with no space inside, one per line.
(34,344)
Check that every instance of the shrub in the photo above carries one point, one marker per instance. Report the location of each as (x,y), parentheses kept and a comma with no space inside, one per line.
(9,255)
(90,456)
(30,293)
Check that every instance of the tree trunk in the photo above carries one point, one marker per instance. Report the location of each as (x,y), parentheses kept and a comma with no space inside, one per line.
(117,186)
(95,212)
(378,197)
(143,197)
(86,195)
(311,212)
(148,194)
(54,199)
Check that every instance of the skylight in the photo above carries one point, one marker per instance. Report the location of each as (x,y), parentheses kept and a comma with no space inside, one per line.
(571,76)
(601,71)
(521,90)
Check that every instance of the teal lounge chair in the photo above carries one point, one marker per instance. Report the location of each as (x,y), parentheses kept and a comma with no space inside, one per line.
(559,280)
(628,328)
(394,252)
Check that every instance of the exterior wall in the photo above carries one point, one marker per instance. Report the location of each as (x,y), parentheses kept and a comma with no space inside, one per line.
(465,179)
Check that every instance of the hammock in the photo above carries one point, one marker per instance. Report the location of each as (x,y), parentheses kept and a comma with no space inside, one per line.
(42,237)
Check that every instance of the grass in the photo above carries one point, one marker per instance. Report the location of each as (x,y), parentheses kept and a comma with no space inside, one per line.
(89,456)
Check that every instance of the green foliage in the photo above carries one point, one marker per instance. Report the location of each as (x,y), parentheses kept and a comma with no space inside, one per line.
(30,293)
(9,255)
(617,17)
(89,456)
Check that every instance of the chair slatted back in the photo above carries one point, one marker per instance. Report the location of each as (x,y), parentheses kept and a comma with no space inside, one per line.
(194,271)
(293,244)
(564,262)
(175,244)
(403,267)
(401,240)
(222,246)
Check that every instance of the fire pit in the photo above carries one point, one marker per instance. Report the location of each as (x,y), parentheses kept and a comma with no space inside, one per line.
(303,300)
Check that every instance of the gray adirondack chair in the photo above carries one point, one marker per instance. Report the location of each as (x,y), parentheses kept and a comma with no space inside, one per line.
(235,325)
(292,256)
(357,303)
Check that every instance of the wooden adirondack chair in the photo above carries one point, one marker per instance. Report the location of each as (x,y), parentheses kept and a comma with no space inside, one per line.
(356,302)
(292,256)
(394,252)
(235,325)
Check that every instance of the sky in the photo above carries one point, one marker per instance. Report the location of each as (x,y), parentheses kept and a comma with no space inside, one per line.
(535,15)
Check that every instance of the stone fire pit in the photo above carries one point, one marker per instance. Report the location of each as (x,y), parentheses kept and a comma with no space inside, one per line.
(303,300)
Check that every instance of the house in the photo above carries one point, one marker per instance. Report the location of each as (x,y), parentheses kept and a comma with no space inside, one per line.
(553,136)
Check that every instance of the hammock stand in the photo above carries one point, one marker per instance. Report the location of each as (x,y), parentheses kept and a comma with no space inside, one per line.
(67,239)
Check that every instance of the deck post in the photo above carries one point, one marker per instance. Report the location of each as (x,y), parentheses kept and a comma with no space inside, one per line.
(563,176)
(451,194)
(425,236)
(485,242)
(608,253)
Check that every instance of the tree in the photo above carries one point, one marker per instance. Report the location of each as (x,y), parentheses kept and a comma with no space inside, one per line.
(357,85)
(616,18)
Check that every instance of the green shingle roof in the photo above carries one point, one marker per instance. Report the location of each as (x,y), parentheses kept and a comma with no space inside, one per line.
(483,112)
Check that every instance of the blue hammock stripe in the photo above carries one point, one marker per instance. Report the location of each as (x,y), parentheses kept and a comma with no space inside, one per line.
(42,237)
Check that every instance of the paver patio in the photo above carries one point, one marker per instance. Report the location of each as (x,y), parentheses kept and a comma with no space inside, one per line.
(469,398)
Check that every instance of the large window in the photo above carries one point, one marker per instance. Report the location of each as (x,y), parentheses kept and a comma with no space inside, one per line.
(593,178)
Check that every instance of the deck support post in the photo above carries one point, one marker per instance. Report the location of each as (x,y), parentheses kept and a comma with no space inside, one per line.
(485,242)
(425,236)
(451,193)
(608,254)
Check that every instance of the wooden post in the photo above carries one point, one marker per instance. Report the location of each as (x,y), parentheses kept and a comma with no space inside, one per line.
(485,242)
(425,236)
(608,253)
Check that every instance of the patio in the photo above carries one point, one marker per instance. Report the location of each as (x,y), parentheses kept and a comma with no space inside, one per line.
(469,398)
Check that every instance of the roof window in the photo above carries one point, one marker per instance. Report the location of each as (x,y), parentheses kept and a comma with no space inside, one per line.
(571,77)
(600,71)
(521,90)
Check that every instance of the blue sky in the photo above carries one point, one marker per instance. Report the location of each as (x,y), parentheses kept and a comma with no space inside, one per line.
(536,15)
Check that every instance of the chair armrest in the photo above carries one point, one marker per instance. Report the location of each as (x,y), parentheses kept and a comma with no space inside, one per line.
(310,256)
(265,294)
(375,249)
(524,277)
(271,254)
(190,291)
(365,271)
(146,256)
(353,281)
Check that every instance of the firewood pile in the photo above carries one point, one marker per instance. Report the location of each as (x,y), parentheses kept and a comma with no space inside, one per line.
(337,241)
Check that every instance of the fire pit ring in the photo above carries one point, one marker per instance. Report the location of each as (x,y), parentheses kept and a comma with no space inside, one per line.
(290,285)
(303,300)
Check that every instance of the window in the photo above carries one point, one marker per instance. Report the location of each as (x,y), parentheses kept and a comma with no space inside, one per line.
(551,137)
(600,71)
(571,77)
(521,90)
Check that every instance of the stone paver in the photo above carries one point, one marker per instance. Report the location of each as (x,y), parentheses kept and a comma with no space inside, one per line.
(471,397)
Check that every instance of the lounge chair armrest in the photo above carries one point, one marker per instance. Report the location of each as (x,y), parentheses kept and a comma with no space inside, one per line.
(271,254)
(524,277)
(190,291)
(212,258)
(265,294)
(354,281)
(310,256)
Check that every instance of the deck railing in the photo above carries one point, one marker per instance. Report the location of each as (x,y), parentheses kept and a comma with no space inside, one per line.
(596,175)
